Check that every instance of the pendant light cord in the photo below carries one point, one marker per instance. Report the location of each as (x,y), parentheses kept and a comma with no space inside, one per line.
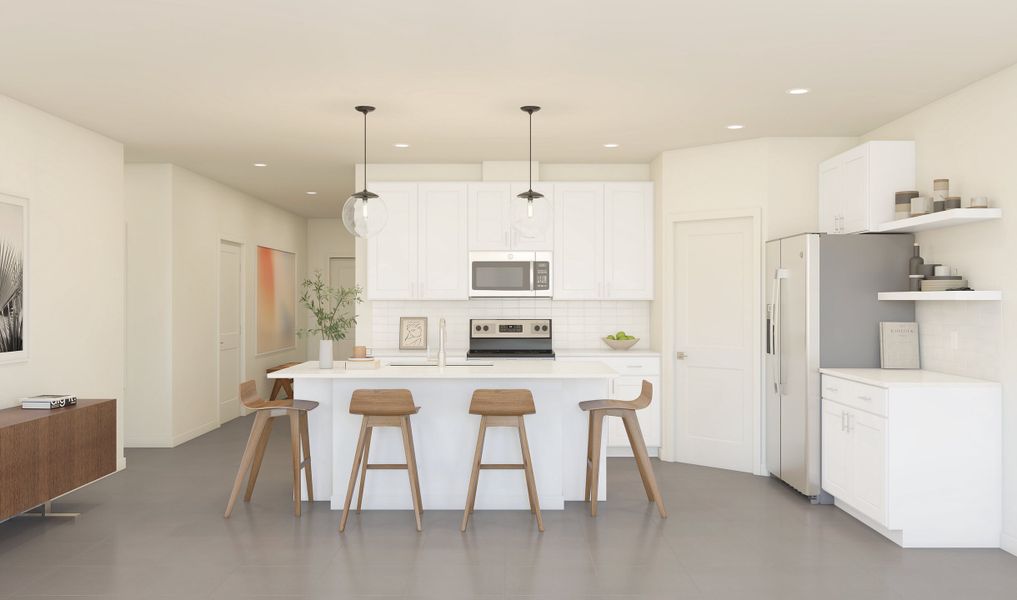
(530,166)
(365,152)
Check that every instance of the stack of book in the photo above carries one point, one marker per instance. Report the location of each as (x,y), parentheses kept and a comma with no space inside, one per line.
(47,401)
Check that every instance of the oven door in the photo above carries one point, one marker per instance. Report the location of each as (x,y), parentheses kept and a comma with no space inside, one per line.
(501,275)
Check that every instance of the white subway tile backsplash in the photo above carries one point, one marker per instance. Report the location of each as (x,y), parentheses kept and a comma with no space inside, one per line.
(962,338)
(577,324)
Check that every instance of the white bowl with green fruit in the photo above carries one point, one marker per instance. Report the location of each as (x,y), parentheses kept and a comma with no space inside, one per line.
(620,341)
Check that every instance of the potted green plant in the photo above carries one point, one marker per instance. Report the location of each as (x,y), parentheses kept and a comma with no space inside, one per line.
(334,310)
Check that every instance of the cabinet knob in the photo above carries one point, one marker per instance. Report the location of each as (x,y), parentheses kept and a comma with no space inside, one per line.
(681,356)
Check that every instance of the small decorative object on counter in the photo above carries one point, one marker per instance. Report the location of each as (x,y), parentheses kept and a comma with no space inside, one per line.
(902,203)
(953,202)
(413,333)
(928,269)
(620,341)
(942,271)
(921,205)
(979,202)
(938,205)
(49,401)
(940,189)
(915,270)
(898,345)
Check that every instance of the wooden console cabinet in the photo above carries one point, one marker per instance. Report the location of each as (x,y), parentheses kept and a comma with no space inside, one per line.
(46,453)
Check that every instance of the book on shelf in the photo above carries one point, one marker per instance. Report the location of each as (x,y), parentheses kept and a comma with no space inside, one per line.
(48,401)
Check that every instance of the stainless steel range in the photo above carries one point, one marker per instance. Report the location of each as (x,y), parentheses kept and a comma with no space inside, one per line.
(510,338)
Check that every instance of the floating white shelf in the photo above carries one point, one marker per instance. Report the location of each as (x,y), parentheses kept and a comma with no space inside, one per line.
(957,295)
(945,218)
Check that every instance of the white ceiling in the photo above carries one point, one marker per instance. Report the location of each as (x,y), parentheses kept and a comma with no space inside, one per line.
(216,85)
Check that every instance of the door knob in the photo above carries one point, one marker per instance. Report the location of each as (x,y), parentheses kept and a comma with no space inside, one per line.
(682,356)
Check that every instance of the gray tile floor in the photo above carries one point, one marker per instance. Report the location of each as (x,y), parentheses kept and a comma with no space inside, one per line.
(156,531)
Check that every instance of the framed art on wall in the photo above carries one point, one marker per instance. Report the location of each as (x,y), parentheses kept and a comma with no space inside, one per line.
(276,300)
(413,333)
(13,279)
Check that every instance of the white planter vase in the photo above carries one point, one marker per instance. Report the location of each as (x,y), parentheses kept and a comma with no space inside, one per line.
(325,354)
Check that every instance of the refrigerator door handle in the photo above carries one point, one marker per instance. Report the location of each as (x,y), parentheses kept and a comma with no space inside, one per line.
(778,380)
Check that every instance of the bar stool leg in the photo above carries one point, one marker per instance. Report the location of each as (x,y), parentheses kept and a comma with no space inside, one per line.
(295,457)
(249,450)
(306,440)
(357,456)
(259,455)
(411,469)
(478,455)
(287,385)
(277,387)
(643,461)
(413,453)
(531,484)
(598,430)
(363,468)
(589,455)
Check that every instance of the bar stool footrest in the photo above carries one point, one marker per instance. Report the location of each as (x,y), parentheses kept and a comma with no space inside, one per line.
(502,466)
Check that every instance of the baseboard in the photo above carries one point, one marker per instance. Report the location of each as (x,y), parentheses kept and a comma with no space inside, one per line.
(148,443)
(121,463)
(626,452)
(1008,542)
(197,431)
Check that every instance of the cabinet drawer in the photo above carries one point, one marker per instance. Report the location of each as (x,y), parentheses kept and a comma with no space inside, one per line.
(856,395)
(646,365)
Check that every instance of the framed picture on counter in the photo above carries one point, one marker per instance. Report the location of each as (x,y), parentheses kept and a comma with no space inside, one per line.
(413,333)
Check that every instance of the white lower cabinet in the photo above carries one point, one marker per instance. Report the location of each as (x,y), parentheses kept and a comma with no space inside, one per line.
(916,455)
(628,387)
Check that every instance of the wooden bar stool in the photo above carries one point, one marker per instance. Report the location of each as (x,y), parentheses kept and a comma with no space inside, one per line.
(626,409)
(266,413)
(281,385)
(502,408)
(382,408)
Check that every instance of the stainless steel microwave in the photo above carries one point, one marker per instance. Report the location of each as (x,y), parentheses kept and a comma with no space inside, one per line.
(510,275)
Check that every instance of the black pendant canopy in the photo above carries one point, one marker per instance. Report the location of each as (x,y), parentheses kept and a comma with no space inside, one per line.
(529,195)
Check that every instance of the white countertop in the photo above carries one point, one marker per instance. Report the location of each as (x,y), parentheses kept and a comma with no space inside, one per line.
(891,378)
(500,369)
(460,353)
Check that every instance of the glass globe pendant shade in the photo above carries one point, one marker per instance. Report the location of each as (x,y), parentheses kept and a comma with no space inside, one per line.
(364,215)
(530,214)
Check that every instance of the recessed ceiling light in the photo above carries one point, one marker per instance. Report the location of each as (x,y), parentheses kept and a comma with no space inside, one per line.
(797,91)
(735,126)
(401,145)
(261,164)
(311,193)
(610,145)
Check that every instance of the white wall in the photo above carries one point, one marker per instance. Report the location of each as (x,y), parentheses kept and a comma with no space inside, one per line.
(201,213)
(73,179)
(326,238)
(968,137)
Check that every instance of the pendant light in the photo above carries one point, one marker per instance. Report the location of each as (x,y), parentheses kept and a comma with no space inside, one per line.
(525,222)
(362,217)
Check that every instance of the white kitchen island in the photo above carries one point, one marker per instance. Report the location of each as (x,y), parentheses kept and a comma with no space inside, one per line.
(445,434)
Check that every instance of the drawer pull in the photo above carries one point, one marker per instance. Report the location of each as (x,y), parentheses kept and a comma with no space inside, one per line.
(865,398)
(832,389)
(634,366)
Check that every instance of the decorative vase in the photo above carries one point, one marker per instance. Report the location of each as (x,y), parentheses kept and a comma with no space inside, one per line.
(325,354)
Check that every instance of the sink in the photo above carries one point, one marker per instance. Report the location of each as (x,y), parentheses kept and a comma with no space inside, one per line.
(434,363)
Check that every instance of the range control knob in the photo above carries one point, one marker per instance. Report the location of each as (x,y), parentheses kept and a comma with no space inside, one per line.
(544,327)
(477,327)
(536,327)
(486,328)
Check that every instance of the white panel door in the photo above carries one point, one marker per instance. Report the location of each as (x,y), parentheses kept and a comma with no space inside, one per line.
(541,235)
(578,241)
(342,273)
(836,451)
(489,216)
(868,461)
(392,253)
(715,303)
(230,322)
(442,247)
(628,240)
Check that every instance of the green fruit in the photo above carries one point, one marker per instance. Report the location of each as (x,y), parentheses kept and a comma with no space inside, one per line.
(611,337)
(630,337)
(620,335)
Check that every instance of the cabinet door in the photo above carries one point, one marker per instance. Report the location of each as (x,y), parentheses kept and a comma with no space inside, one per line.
(392,253)
(868,464)
(836,461)
(830,173)
(578,241)
(628,241)
(442,230)
(489,216)
(855,191)
(538,235)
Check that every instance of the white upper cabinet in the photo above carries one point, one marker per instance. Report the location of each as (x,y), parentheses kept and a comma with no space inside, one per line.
(856,188)
(392,252)
(493,207)
(579,241)
(628,240)
(442,254)
(421,252)
(603,242)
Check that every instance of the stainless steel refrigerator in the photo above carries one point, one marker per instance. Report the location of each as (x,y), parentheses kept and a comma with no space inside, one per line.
(822,311)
